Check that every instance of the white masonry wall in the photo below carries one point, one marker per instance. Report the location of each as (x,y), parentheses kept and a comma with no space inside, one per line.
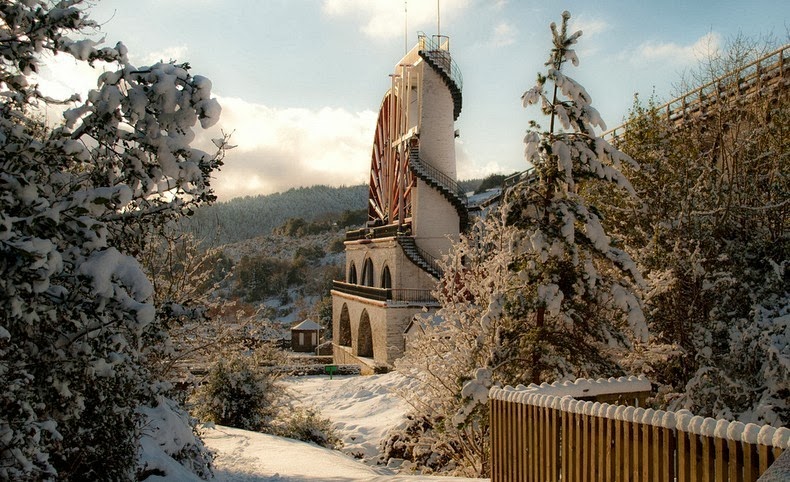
(437,127)
(435,221)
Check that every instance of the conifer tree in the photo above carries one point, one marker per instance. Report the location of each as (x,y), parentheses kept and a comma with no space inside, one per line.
(570,278)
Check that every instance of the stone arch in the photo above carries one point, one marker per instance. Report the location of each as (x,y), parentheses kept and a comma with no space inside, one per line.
(365,336)
(386,277)
(344,330)
(352,274)
(367,273)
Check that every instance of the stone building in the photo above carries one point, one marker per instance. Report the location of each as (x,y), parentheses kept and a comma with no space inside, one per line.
(415,210)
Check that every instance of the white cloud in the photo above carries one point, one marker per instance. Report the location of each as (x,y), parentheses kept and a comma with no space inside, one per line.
(681,54)
(384,19)
(62,75)
(588,26)
(469,168)
(278,148)
(282,148)
(179,53)
(504,34)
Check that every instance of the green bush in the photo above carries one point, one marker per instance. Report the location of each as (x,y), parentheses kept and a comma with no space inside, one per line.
(337,245)
(237,393)
(307,425)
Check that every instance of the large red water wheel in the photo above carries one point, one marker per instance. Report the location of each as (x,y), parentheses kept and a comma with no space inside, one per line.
(389,198)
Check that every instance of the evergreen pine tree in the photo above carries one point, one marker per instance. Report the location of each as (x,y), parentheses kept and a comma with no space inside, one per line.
(571,279)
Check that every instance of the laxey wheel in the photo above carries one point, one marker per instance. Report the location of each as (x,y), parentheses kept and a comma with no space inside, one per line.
(389,197)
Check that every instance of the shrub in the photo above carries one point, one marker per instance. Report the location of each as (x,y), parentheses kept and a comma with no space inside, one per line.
(307,425)
(237,393)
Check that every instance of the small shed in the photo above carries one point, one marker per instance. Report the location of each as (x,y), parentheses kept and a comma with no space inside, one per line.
(305,336)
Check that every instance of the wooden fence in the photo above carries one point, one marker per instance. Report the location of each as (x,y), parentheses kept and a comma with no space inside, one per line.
(546,437)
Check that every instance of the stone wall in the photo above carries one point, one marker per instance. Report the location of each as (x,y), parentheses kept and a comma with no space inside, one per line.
(387,252)
(387,326)
(437,127)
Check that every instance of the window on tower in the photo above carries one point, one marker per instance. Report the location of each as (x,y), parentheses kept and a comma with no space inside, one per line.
(386,278)
(367,273)
(352,274)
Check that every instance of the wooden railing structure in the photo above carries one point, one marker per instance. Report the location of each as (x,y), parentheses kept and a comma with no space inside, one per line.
(770,71)
(539,434)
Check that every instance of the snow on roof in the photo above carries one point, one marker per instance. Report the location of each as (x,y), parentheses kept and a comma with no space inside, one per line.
(484,197)
(422,321)
(307,325)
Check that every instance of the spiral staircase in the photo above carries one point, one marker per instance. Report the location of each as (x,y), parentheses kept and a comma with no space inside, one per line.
(438,57)
(419,257)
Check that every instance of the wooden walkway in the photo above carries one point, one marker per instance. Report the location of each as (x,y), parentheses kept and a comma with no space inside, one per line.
(766,74)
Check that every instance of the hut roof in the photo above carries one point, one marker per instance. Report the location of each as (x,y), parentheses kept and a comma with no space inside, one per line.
(307,325)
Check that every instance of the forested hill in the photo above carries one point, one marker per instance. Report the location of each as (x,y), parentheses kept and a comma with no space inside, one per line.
(248,217)
(251,216)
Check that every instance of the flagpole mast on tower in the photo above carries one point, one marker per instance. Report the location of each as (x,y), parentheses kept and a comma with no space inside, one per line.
(438,20)
(405,27)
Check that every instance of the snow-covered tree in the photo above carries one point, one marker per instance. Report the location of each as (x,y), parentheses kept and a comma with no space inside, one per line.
(538,291)
(77,203)
(572,283)
(450,349)
(711,236)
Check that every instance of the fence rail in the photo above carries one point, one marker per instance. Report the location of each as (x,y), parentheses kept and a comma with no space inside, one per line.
(539,437)
(377,232)
(397,295)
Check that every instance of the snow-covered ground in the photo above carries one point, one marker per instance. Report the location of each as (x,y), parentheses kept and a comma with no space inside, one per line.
(363,409)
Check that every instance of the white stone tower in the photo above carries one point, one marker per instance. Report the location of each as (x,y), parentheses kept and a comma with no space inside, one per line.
(415,210)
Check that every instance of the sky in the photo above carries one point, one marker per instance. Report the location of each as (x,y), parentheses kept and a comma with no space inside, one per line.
(301,81)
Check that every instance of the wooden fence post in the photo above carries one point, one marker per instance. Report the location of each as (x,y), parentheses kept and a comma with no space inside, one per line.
(567,441)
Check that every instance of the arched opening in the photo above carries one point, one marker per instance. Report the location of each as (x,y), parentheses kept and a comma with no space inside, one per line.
(344,330)
(386,278)
(367,273)
(365,336)
(352,274)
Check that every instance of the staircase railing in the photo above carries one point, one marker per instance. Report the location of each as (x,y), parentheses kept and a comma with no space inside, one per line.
(451,190)
(439,47)
(449,183)
(436,53)
(431,264)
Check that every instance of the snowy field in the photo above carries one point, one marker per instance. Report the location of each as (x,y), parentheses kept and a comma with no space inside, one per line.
(362,409)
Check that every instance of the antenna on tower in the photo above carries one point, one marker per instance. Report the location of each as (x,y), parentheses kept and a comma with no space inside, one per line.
(405,27)
(438,20)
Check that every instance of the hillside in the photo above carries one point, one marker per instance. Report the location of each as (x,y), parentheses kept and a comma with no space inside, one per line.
(275,256)
(248,217)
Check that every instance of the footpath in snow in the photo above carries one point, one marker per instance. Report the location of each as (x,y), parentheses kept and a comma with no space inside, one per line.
(363,409)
